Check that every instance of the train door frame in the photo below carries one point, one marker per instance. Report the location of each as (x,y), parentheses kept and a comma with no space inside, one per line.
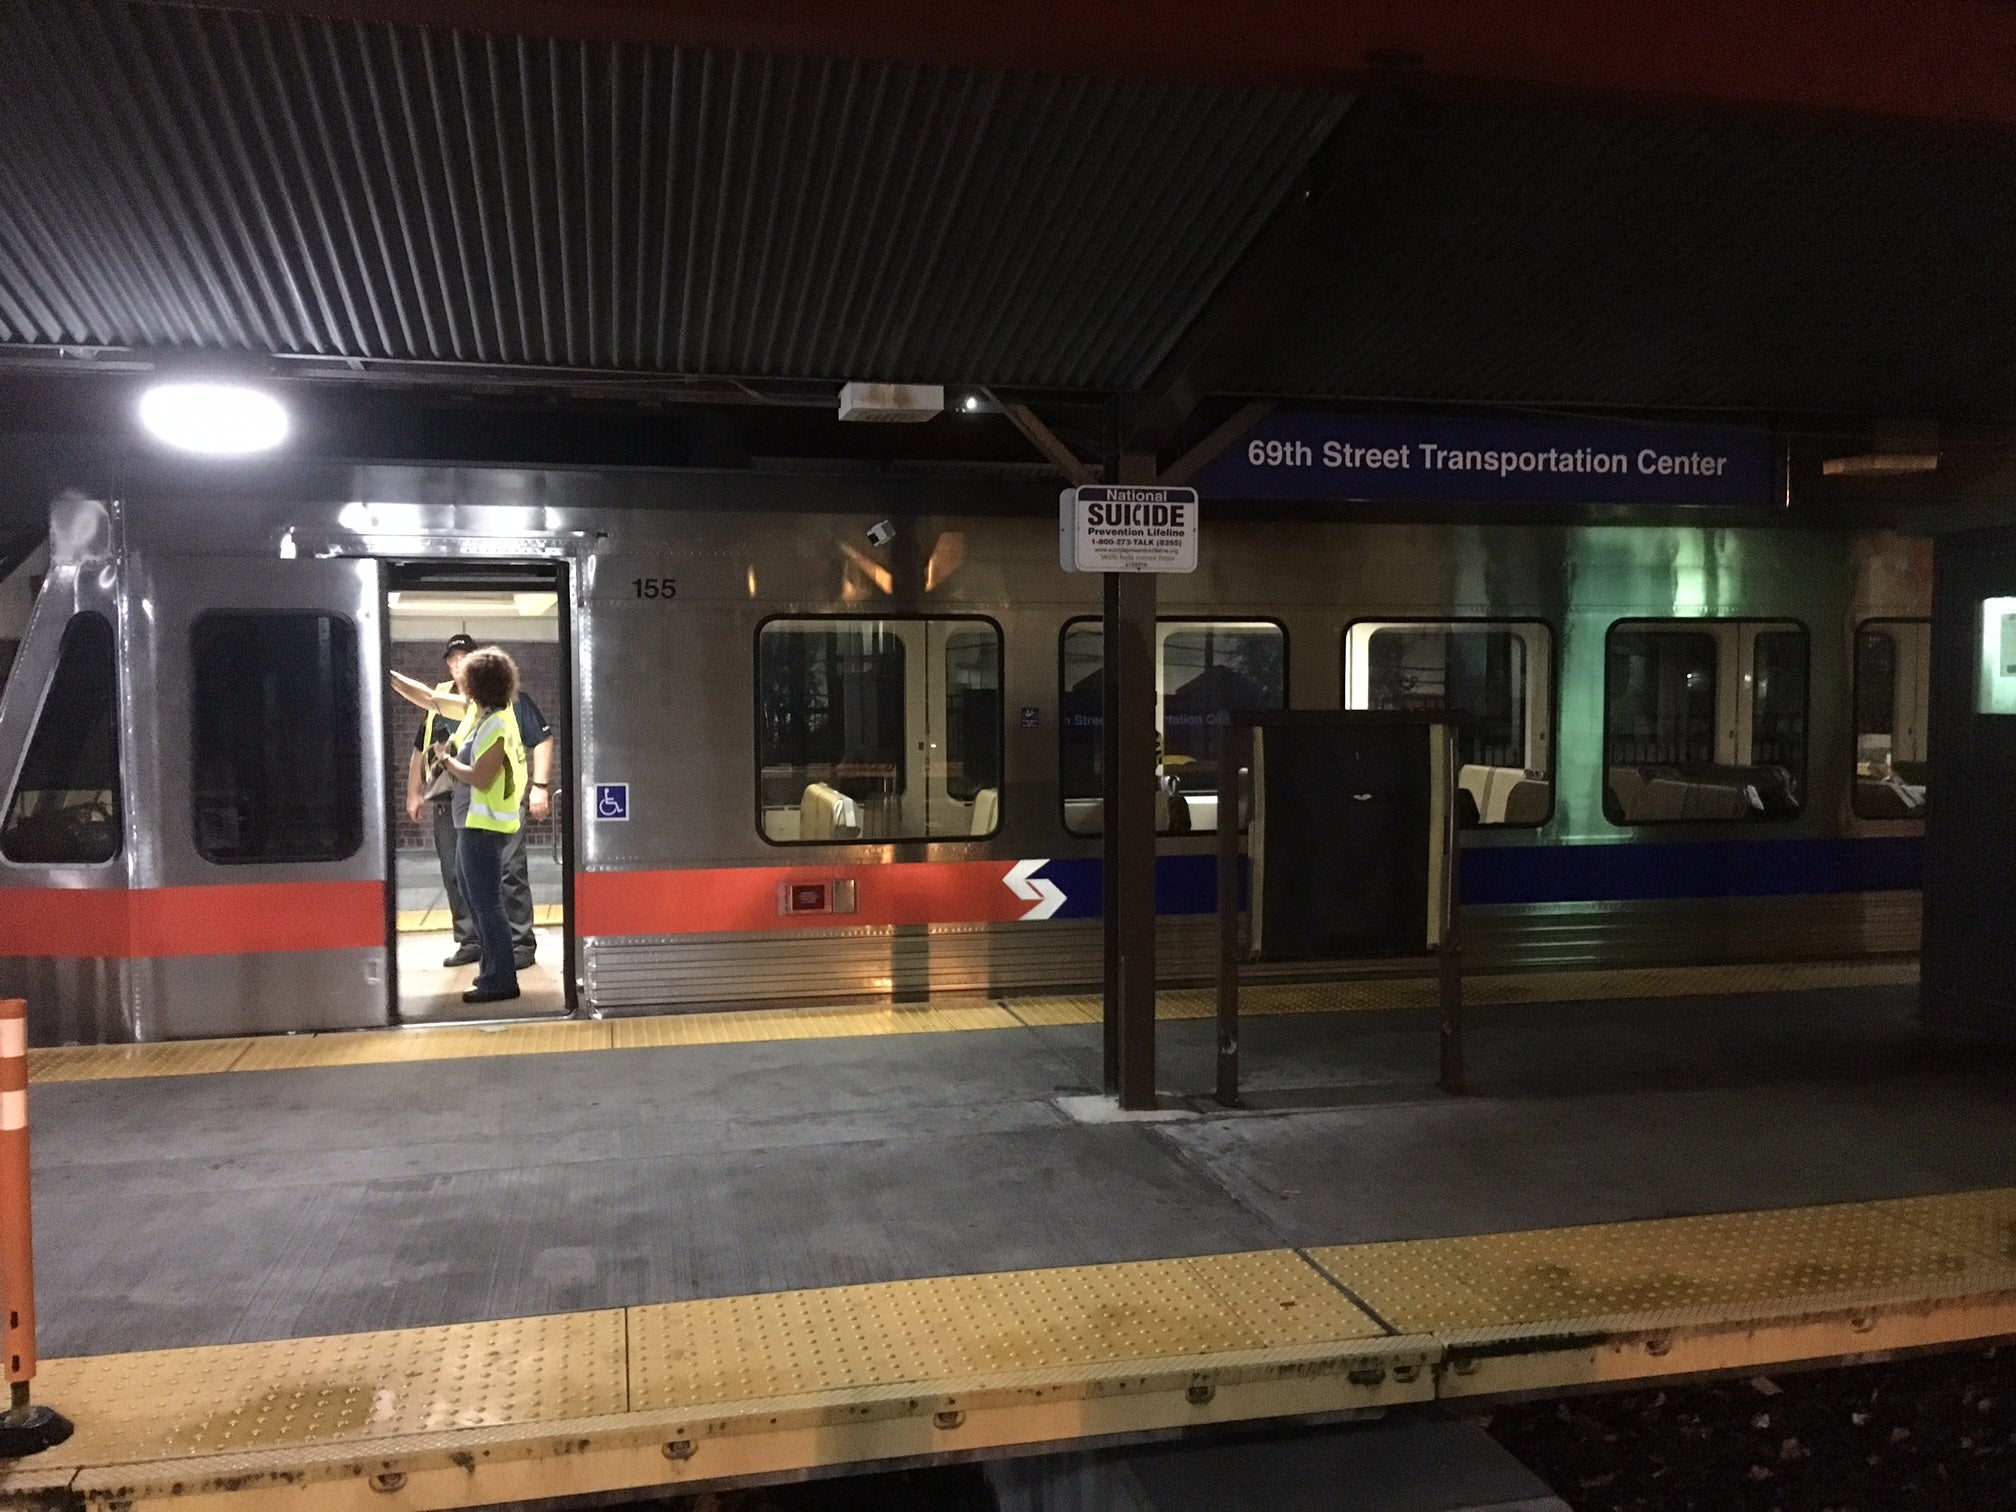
(566,579)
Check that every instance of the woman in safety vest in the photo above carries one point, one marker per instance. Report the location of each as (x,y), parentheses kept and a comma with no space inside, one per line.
(486,757)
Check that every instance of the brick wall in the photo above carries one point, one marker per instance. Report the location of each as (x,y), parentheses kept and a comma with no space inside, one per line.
(539,671)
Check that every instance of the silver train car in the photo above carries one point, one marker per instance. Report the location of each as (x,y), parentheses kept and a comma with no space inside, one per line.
(802,759)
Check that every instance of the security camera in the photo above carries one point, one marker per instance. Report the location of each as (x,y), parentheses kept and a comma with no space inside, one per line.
(881,533)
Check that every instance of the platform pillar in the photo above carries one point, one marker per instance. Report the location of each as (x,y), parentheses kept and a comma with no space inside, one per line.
(1129,849)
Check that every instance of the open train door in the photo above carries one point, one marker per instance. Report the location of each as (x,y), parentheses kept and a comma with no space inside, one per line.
(524,609)
(256,739)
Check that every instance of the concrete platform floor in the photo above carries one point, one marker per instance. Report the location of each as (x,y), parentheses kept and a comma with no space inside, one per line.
(262,1205)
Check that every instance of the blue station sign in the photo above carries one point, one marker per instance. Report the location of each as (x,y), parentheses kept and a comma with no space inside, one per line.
(1305,454)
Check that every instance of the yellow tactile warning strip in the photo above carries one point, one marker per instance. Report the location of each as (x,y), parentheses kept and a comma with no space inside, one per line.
(745,1026)
(1683,1269)
(229,1398)
(685,1355)
(104,1062)
(475,1414)
(1259,998)
(749,1026)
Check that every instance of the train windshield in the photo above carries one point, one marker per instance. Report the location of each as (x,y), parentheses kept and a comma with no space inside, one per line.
(65,806)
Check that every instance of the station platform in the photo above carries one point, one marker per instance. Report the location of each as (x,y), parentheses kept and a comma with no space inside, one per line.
(470,1266)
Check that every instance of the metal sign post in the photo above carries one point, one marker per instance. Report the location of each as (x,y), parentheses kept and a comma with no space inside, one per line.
(1129,532)
(1235,755)
(1448,944)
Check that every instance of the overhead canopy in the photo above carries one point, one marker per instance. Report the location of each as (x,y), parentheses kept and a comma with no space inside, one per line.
(353,192)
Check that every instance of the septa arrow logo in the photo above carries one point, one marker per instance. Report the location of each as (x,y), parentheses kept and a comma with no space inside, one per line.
(1046,895)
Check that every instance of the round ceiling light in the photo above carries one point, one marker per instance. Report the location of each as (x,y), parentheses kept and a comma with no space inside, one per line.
(215,419)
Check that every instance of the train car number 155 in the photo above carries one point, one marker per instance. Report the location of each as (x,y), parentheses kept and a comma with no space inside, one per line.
(654,588)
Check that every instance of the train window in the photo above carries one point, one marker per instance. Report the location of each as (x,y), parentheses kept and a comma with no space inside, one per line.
(972,712)
(1893,680)
(277,757)
(1704,721)
(1778,707)
(65,805)
(1496,674)
(1202,668)
(878,730)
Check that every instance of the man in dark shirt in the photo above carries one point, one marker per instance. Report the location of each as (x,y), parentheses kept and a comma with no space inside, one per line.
(538,738)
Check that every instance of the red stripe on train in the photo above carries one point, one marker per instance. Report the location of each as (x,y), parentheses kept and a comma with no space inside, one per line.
(734,899)
(255,918)
(243,918)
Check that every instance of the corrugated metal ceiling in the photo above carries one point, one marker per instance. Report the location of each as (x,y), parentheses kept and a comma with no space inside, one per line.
(181,177)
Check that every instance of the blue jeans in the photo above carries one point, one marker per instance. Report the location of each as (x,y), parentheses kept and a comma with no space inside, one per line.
(479,856)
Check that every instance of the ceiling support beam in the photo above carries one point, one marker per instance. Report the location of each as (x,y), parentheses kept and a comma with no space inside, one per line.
(1040,436)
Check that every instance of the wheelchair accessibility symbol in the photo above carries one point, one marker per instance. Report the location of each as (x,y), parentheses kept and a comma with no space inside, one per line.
(612,800)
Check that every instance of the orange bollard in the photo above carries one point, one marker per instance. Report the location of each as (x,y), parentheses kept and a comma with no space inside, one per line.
(24,1428)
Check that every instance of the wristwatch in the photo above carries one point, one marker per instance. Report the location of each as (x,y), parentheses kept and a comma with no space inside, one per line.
(542,784)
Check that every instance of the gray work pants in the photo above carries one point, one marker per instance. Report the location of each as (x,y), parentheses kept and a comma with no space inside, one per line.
(517,883)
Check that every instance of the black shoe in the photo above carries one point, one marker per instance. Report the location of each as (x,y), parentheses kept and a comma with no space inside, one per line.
(485,995)
(464,955)
(523,959)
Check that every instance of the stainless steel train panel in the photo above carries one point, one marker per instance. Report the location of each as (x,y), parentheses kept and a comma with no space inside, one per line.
(267,992)
(84,994)
(73,1000)
(846,965)
(665,697)
(249,978)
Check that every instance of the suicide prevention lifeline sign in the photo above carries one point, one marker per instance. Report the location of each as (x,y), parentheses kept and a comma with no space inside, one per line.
(1118,527)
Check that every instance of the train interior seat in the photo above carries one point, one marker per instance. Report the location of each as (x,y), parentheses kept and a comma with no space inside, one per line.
(1887,789)
(986,811)
(1881,798)
(1527,802)
(826,813)
(1506,795)
(1702,793)
(1175,813)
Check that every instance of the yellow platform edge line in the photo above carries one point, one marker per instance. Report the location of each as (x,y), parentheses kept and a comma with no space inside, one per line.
(757,1025)
(474,1414)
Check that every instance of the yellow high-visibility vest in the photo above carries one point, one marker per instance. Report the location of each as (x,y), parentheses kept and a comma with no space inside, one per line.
(495,806)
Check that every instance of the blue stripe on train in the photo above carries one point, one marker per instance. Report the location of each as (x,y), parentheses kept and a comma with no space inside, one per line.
(1581,873)
(1689,869)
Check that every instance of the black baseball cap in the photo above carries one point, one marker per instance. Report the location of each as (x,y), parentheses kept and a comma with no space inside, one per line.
(463,642)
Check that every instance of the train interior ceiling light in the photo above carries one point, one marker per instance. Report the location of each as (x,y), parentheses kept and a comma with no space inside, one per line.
(214,419)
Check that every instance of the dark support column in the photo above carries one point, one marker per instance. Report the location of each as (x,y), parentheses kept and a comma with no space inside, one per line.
(1131,833)
(1233,744)
(1109,808)
(1449,952)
